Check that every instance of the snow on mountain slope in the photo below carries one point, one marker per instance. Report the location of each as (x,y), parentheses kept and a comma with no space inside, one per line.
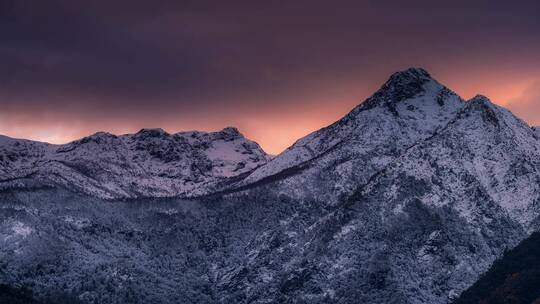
(444,210)
(485,146)
(150,163)
(407,199)
(505,157)
(451,196)
(19,157)
(408,108)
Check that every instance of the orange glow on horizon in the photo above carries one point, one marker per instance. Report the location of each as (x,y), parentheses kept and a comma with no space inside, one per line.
(274,127)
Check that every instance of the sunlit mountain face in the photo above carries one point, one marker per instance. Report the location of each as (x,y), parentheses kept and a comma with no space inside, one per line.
(277,71)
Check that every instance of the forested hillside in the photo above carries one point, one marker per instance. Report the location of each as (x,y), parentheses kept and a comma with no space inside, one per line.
(513,279)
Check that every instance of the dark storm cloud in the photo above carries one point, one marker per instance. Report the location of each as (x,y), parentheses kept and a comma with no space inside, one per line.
(129,59)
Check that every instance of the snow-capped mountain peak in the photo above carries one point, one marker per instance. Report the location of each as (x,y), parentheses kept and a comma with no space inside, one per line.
(151,132)
(406,81)
(401,86)
(485,113)
(482,103)
(479,98)
(232,131)
(409,107)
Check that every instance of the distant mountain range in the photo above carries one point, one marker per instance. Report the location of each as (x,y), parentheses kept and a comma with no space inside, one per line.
(150,163)
(409,198)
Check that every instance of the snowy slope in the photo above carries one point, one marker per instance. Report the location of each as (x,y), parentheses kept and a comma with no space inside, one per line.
(452,191)
(485,145)
(443,211)
(150,163)
(408,108)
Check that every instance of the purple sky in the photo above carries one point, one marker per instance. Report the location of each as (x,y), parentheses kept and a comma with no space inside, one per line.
(275,69)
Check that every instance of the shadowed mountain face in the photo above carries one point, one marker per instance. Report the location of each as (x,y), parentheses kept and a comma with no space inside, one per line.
(407,199)
(13,295)
(513,279)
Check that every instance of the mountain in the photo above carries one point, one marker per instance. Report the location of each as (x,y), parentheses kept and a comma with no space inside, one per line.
(443,210)
(512,279)
(407,199)
(408,108)
(150,163)
(421,225)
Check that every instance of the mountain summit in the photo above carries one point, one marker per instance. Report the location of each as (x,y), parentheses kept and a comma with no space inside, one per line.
(408,108)
(404,84)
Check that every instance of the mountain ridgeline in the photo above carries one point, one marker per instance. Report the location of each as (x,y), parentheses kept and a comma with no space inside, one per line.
(409,198)
(150,163)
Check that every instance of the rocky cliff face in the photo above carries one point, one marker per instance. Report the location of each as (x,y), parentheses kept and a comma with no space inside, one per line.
(407,199)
